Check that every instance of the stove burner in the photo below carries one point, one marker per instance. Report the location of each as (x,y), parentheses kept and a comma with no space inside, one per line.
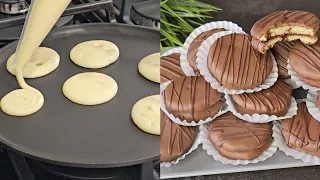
(146,13)
(13,6)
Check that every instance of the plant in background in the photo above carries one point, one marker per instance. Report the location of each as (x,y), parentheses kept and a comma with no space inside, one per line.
(178,18)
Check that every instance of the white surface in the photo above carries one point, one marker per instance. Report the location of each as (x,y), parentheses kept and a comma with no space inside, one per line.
(199,163)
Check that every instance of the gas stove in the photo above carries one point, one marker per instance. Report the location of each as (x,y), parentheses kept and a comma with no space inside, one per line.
(14,166)
(14,6)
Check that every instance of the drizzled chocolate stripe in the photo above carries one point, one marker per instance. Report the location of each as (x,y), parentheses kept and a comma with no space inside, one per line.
(170,67)
(305,61)
(235,135)
(194,46)
(175,140)
(281,52)
(278,18)
(302,132)
(273,101)
(192,99)
(236,65)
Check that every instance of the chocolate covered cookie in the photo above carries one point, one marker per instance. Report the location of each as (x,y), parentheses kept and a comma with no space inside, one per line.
(305,61)
(192,99)
(273,101)
(238,139)
(175,140)
(235,64)
(170,67)
(281,52)
(302,132)
(289,25)
(194,46)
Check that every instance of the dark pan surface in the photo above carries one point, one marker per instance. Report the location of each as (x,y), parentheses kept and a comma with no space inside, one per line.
(69,134)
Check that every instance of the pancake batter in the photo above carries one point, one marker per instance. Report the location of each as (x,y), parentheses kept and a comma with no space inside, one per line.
(42,16)
(149,67)
(146,114)
(94,54)
(43,61)
(90,88)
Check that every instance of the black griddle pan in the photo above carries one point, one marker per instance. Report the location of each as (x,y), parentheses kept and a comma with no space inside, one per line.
(69,134)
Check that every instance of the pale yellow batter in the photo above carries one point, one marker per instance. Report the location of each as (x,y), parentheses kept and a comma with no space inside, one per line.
(94,54)
(146,114)
(90,88)
(149,67)
(42,16)
(22,102)
(43,61)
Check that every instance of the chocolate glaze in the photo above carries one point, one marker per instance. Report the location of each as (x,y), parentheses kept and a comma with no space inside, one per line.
(175,140)
(281,52)
(302,132)
(170,67)
(192,99)
(318,100)
(238,139)
(284,18)
(194,46)
(273,101)
(305,61)
(235,64)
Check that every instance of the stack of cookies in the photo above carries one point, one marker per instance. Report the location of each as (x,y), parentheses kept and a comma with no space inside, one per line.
(221,65)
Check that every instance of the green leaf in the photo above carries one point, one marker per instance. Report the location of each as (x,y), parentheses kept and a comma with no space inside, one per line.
(178,18)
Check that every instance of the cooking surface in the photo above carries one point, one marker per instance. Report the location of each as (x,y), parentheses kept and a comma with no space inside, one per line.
(66,133)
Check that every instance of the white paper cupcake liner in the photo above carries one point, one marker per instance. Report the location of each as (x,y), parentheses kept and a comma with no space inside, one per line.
(281,143)
(299,82)
(212,151)
(171,51)
(312,105)
(184,122)
(204,71)
(292,84)
(261,118)
(227,25)
(194,146)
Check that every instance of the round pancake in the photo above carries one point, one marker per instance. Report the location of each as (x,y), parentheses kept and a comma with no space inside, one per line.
(94,54)
(90,88)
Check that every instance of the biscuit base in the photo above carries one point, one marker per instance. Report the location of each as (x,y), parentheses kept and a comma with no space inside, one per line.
(264,46)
